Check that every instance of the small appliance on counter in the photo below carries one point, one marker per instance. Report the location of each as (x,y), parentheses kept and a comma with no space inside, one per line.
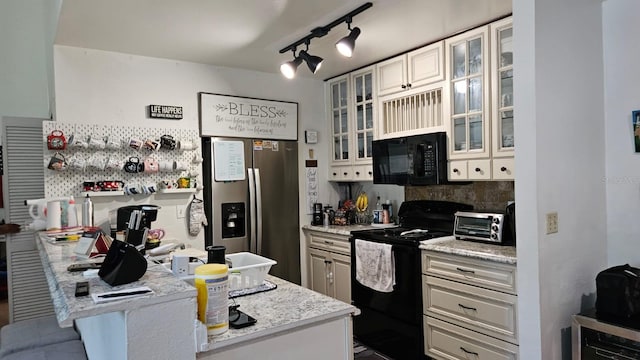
(489,227)
(136,221)
(318,216)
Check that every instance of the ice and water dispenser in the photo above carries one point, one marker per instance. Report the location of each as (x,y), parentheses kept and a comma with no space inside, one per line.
(233,220)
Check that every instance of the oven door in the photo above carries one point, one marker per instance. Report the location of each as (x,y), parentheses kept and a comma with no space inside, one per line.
(391,322)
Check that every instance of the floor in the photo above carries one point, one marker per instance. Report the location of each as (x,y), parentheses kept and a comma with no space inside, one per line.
(4,312)
(361,352)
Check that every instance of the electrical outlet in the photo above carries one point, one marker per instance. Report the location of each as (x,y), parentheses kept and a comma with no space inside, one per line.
(180,212)
(552,222)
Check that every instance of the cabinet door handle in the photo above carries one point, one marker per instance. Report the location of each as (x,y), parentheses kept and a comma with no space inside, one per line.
(345,173)
(503,169)
(358,173)
(328,242)
(465,270)
(334,174)
(370,172)
(456,170)
(403,86)
(478,169)
(467,307)
(409,85)
(469,352)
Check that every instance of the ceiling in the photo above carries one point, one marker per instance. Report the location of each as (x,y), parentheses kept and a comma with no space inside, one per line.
(248,34)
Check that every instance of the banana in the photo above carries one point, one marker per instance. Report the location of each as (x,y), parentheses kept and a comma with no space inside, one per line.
(362,202)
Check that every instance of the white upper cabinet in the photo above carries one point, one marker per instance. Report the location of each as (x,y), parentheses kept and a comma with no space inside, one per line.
(352,117)
(414,69)
(502,87)
(468,79)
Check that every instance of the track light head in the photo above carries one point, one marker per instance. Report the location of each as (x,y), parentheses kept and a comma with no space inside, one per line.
(313,62)
(346,45)
(288,69)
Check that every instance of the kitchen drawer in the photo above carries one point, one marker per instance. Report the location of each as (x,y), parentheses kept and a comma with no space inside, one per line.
(458,170)
(490,312)
(487,274)
(479,169)
(443,340)
(504,168)
(340,173)
(330,242)
(363,173)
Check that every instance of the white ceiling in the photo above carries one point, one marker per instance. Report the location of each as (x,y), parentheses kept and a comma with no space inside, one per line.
(248,34)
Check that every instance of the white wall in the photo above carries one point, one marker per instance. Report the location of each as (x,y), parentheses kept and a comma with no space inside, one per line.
(561,164)
(622,95)
(99,87)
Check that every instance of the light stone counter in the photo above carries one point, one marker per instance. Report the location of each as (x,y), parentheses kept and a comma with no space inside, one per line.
(449,245)
(287,308)
(338,229)
(56,257)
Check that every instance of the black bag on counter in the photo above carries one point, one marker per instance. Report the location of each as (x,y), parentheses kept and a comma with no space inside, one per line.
(618,294)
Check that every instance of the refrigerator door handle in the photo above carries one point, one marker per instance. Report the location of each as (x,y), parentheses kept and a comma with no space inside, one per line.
(252,213)
(258,211)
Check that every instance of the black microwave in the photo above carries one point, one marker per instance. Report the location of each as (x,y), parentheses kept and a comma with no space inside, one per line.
(412,160)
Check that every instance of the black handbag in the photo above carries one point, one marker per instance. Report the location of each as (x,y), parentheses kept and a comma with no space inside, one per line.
(618,293)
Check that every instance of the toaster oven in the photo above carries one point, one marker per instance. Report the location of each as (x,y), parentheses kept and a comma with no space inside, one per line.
(484,227)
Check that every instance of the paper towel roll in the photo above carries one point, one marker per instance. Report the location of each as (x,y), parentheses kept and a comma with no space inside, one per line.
(54,214)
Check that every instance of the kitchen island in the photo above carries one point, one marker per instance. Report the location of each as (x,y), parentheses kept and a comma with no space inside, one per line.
(163,325)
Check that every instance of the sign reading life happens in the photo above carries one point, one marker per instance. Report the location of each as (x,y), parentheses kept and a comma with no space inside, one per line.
(165,111)
(235,116)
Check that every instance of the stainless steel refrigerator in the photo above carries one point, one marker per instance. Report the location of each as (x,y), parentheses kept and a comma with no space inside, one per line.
(251,199)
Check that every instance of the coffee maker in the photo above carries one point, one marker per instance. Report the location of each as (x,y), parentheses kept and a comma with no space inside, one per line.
(317,214)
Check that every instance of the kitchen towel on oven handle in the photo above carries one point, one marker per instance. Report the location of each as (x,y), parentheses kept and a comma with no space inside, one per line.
(375,265)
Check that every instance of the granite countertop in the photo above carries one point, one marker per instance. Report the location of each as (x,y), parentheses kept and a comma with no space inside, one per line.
(56,256)
(285,308)
(339,229)
(449,245)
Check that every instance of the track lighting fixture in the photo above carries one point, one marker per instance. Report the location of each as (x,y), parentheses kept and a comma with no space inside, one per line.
(345,46)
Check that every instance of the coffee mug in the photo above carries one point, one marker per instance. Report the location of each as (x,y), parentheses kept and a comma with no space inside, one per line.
(151,144)
(149,188)
(155,234)
(197,159)
(57,162)
(110,185)
(113,163)
(77,163)
(168,184)
(377,216)
(133,189)
(151,165)
(181,166)
(185,145)
(77,142)
(167,142)
(166,165)
(97,162)
(135,143)
(133,165)
(89,186)
(113,143)
(184,183)
(96,142)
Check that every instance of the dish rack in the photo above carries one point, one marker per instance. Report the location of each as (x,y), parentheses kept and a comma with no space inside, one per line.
(247,270)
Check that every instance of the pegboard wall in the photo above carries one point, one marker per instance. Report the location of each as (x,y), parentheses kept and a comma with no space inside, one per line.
(105,151)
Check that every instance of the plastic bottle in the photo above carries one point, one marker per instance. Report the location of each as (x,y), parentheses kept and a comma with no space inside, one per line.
(212,284)
(378,204)
(87,212)
(72,213)
(390,208)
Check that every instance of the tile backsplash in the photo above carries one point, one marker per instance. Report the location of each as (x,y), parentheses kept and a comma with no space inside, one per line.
(483,195)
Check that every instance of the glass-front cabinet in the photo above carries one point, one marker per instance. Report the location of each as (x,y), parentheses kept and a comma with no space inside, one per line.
(502,112)
(468,83)
(352,120)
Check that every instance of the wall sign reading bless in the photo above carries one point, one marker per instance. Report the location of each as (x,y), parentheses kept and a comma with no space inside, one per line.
(165,111)
(236,116)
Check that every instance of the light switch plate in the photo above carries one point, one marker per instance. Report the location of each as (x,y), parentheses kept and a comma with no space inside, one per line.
(310,136)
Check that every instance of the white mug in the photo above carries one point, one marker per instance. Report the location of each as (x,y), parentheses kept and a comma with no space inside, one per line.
(185,145)
(166,165)
(96,142)
(181,166)
(113,143)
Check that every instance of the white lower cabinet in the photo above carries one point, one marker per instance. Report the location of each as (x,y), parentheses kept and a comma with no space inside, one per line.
(329,262)
(469,308)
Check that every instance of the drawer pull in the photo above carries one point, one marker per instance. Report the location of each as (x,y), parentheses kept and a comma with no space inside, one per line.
(469,352)
(465,270)
(328,242)
(467,307)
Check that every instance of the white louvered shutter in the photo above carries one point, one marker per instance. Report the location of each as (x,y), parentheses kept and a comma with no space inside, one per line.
(22,180)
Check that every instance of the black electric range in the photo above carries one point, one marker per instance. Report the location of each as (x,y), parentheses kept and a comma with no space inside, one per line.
(391,322)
